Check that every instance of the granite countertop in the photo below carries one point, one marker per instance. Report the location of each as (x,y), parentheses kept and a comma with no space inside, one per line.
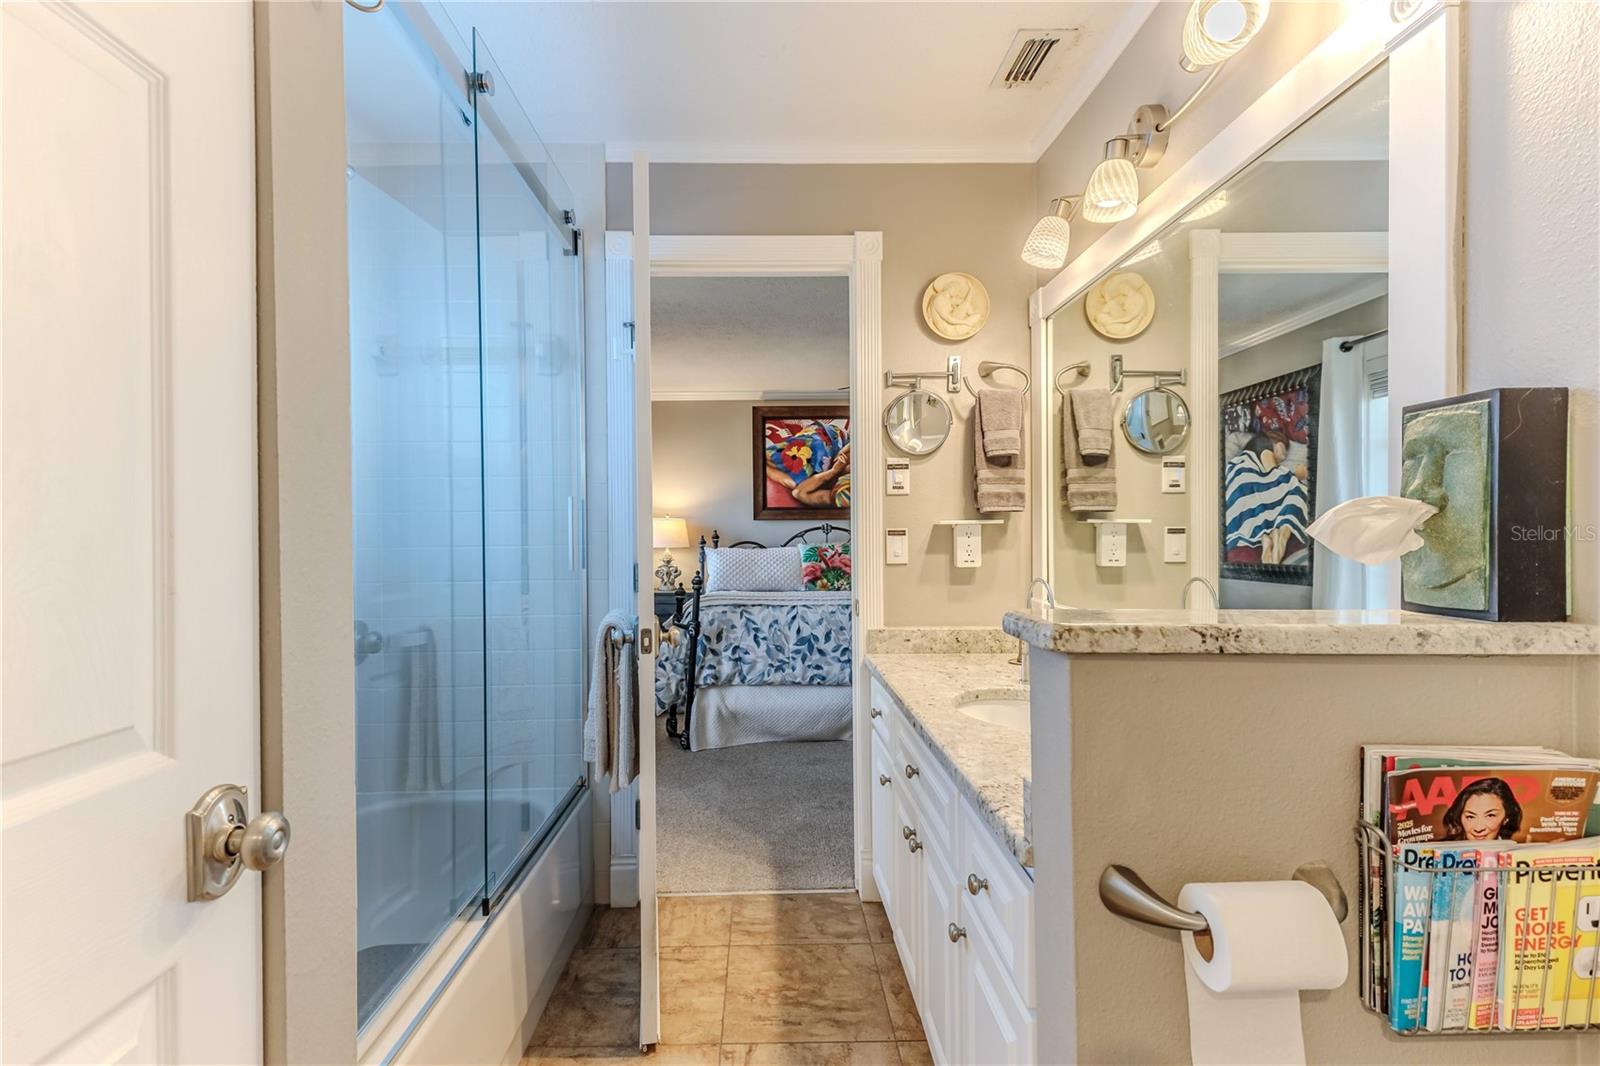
(986,762)
(1207,631)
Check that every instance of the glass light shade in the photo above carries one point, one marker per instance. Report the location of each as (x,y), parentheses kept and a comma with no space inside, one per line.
(1209,208)
(669,532)
(1216,29)
(1046,246)
(1113,192)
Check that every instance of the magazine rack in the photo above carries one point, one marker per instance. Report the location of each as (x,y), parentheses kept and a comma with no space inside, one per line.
(1377,853)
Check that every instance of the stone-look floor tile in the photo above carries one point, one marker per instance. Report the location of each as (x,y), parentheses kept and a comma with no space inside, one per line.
(897,993)
(694,921)
(664,1055)
(804,992)
(596,1002)
(916,1054)
(693,983)
(610,928)
(806,918)
(878,929)
(844,1054)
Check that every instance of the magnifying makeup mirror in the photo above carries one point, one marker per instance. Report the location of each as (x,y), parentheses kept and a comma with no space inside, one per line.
(918,422)
(1156,421)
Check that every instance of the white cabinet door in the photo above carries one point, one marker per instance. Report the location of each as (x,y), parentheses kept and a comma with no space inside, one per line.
(907,876)
(941,964)
(885,834)
(996,1028)
(129,560)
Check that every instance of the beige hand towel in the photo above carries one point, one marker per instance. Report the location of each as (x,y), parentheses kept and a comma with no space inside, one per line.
(611,729)
(1000,413)
(1000,485)
(1091,414)
(1091,482)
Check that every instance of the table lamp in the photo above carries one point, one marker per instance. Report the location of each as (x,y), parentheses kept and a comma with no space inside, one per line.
(669,533)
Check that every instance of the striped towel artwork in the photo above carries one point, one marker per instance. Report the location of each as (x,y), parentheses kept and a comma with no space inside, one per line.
(1258,501)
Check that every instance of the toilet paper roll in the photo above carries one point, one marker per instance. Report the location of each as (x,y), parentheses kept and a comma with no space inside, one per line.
(1267,941)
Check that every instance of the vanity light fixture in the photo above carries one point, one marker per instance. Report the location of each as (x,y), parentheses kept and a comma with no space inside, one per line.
(1208,208)
(1046,246)
(1213,32)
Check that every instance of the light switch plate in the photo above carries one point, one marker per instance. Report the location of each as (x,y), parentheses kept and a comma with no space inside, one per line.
(897,550)
(1175,544)
(899,471)
(1174,474)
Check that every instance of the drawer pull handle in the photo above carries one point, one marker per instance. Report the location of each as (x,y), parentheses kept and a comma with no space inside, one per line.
(874,712)
(956,933)
(976,884)
(911,771)
(884,779)
(914,844)
(906,832)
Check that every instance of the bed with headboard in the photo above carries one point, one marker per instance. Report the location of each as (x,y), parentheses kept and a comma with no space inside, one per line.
(760,650)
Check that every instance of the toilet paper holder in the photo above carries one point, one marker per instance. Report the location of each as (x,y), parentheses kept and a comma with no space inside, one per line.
(1125,894)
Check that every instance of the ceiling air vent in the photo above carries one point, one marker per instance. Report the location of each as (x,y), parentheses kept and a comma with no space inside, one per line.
(1025,60)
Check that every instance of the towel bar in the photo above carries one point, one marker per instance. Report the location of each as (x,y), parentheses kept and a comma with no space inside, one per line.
(1125,894)
(621,637)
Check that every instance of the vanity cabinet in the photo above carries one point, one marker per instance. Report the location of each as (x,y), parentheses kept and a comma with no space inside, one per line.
(960,904)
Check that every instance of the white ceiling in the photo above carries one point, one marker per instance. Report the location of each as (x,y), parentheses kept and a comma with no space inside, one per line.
(769,81)
(1355,126)
(1253,308)
(748,338)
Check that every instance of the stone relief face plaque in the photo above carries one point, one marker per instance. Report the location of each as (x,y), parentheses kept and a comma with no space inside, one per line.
(1445,462)
(955,306)
(1120,307)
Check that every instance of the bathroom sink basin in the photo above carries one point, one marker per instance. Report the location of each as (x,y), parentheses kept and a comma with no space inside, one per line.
(1002,709)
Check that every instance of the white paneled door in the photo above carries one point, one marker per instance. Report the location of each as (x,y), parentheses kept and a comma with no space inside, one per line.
(127,527)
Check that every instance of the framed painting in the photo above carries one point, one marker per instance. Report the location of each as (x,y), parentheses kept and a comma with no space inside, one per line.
(802,462)
(1269,478)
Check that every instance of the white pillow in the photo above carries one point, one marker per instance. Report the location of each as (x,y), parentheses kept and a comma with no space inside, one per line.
(753,570)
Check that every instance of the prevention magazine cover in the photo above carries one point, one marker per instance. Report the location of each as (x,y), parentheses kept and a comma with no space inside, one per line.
(1525,804)
(1549,920)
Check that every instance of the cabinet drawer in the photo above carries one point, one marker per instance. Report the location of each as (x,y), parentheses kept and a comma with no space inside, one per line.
(880,708)
(1001,910)
(925,779)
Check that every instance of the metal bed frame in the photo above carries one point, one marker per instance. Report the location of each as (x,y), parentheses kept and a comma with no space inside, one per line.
(691,624)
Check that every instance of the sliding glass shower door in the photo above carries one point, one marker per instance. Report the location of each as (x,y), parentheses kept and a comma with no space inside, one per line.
(466,393)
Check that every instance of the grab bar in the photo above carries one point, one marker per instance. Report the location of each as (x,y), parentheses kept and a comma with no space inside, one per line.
(1126,895)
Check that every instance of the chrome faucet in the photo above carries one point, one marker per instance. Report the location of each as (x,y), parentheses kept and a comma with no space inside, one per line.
(1183,597)
(1021,660)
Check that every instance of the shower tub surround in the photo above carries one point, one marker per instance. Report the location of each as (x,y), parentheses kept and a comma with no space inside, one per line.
(1205,745)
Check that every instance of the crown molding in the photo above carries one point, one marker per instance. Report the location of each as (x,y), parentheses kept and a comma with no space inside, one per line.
(1105,57)
(1354,297)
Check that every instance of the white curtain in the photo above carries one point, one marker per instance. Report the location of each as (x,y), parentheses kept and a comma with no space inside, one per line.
(1337,582)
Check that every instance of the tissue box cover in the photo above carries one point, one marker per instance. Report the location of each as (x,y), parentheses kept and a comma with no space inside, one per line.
(1495,464)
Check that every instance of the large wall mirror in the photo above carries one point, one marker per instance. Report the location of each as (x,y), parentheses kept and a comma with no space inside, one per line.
(1270,318)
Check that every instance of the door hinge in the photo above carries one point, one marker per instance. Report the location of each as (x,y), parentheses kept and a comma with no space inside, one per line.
(577,237)
(631,343)
(635,816)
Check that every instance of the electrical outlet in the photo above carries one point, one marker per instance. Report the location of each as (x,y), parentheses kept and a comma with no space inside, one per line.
(969,545)
(1111,544)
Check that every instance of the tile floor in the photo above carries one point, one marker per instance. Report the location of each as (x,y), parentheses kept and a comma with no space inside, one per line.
(782,980)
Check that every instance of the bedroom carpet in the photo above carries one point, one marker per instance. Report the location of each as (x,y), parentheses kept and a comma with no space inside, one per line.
(753,818)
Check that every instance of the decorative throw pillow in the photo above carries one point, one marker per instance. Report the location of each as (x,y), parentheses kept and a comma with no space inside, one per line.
(752,570)
(825,567)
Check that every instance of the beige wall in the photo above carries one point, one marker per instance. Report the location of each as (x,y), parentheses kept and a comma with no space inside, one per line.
(1301,348)
(934,219)
(703,471)
(1532,313)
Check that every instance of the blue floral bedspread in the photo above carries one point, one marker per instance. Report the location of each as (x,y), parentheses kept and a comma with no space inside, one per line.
(762,639)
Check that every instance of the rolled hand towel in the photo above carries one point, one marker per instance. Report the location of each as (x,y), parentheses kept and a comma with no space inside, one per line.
(1091,417)
(1000,414)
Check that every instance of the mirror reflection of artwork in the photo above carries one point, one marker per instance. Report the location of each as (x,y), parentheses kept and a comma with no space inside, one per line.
(1269,458)
(1445,462)
(802,462)
(1494,463)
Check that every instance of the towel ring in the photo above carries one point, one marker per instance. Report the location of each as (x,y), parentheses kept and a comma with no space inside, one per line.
(986,367)
(1081,369)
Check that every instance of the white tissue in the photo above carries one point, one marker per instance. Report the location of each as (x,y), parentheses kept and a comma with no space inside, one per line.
(1372,529)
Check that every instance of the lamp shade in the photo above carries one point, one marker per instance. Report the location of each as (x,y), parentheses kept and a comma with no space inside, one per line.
(1046,246)
(669,532)
(1216,29)
(1113,192)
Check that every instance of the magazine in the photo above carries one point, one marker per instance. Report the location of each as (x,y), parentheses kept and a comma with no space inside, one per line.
(1483,1010)
(1452,934)
(1524,803)
(1550,917)
(1413,910)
